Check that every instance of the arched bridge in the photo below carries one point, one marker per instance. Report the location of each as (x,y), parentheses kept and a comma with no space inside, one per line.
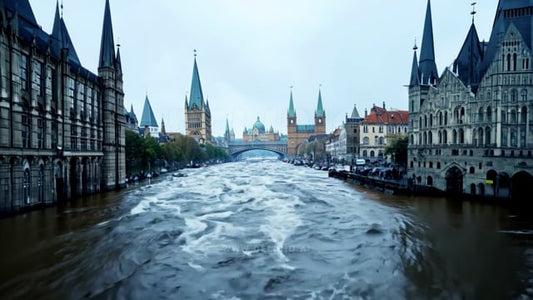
(278,147)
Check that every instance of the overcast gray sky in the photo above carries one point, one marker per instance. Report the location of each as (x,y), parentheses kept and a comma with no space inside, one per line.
(251,51)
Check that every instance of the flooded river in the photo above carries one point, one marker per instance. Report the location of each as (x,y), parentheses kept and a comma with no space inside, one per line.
(266,229)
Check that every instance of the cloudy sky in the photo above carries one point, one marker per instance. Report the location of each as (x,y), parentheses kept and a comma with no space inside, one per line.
(251,51)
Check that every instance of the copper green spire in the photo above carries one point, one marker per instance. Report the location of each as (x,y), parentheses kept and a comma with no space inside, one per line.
(319,108)
(196,97)
(291,113)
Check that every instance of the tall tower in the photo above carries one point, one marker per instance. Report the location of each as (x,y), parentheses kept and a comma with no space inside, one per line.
(320,116)
(291,117)
(428,67)
(109,70)
(197,112)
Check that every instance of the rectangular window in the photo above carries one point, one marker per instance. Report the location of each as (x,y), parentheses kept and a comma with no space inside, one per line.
(36,78)
(24,80)
(26,131)
(48,89)
(70,94)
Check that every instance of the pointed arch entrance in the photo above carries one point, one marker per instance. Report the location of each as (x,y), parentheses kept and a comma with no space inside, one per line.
(454,181)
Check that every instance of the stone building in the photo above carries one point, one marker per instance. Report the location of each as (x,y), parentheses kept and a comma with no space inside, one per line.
(298,134)
(258,133)
(353,133)
(471,128)
(197,112)
(61,126)
(377,128)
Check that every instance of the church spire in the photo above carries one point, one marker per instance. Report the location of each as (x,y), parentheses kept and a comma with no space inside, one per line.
(107,46)
(428,68)
(291,113)
(196,97)
(415,72)
(319,108)
(118,62)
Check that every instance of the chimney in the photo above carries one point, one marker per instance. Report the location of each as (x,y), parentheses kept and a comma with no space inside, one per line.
(384,106)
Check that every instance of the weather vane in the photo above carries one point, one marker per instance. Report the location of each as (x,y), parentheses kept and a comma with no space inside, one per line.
(473,13)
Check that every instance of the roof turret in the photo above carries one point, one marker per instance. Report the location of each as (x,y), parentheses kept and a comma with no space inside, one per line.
(355,113)
(415,71)
(107,46)
(148,118)
(428,67)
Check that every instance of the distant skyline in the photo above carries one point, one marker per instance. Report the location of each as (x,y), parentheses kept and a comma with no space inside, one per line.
(250,52)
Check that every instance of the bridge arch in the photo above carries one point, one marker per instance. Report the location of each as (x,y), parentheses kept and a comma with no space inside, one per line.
(278,147)
(236,154)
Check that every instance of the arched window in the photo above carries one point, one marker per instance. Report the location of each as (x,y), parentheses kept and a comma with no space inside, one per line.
(431,120)
(372,153)
(425,138)
(489,114)
(381,140)
(440,137)
(514,62)
(440,118)
(430,181)
(523,95)
(509,62)
(462,115)
(445,137)
(480,137)
(514,141)
(461,136)
(505,96)
(26,186)
(454,139)
(430,138)
(480,115)
(523,115)
(365,153)
(513,117)
(504,117)
(514,95)
(487,136)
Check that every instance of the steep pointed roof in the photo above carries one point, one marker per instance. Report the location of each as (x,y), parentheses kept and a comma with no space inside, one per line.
(227,127)
(60,39)
(469,59)
(118,63)
(196,98)
(319,108)
(23,9)
(427,65)
(207,109)
(355,113)
(291,113)
(107,46)
(415,71)
(502,21)
(148,118)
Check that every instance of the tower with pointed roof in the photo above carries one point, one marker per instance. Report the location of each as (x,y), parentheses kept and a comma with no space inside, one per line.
(68,121)
(148,123)
(298,134)
(109,70)
(469,128)
(197,111)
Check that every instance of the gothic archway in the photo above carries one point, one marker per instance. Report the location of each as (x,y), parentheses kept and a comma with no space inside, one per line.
(454,181)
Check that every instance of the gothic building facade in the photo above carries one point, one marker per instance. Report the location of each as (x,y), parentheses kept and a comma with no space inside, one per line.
(61,126)
(197,112)
(471,128)
(298,134)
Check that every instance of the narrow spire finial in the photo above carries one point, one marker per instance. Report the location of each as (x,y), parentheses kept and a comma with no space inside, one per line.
(195,53)
(473,13)
(415,46)
(118,42)
(61,9)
